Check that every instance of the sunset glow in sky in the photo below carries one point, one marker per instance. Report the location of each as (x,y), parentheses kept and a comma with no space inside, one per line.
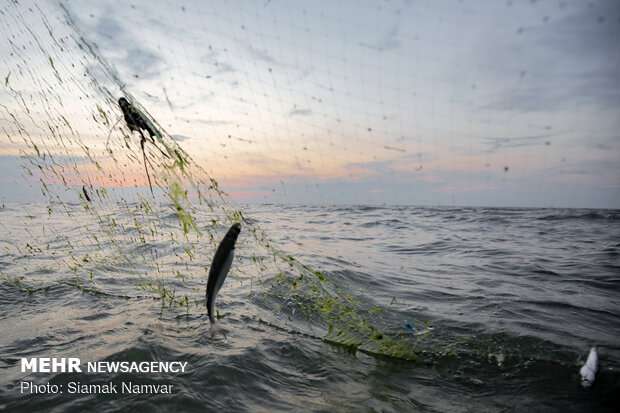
(511,103)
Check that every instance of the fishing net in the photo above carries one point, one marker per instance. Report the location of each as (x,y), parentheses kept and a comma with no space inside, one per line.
(149,208)
(131,201)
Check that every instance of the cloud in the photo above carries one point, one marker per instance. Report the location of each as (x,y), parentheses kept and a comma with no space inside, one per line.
(393,148)
(107,27)
(597,167)
(603,143)
(389,41)
(371,168)
(515,142)
(261,55)
(598,88)
(123,48)
(567,62)
(300,112)
(528,100)
(212,58)
(431,84)
(143,62)
(591,32)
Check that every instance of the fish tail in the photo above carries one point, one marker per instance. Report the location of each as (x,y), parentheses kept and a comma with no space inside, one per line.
(209,311)
(216,329)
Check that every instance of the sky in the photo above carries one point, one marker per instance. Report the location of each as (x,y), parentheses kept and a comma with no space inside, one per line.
(488,103)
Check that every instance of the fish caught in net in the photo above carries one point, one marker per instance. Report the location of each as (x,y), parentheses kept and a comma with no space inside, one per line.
(124,199)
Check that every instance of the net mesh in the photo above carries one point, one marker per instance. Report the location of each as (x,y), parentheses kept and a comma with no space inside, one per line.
(260,104)
(64,123)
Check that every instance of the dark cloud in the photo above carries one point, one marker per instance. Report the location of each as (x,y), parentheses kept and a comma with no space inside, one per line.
(107,27)
(110,34)
(143,62)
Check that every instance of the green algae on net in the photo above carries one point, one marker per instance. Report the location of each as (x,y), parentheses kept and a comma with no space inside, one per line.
(347,322)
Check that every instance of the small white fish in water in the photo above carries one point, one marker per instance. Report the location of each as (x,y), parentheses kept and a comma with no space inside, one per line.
(588,371)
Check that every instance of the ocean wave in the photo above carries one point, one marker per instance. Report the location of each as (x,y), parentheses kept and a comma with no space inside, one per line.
(580,215)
